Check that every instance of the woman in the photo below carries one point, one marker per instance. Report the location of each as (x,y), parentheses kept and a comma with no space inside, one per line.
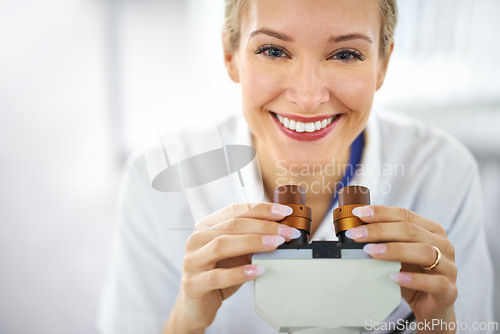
(308,71)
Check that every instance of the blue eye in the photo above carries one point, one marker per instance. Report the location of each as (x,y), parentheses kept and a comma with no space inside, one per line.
(344,55)
(348,56)
(272,51)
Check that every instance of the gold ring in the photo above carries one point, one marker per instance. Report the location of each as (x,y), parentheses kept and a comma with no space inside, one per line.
(438,258)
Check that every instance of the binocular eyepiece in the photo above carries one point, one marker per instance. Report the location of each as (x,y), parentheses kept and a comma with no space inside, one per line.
(294,196)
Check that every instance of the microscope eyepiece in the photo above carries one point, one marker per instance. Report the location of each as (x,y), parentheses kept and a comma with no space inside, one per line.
(289,194)
(294,196)
(349,197)
(354,195)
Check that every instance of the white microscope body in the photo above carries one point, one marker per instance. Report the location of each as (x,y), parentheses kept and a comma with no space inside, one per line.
(324,284)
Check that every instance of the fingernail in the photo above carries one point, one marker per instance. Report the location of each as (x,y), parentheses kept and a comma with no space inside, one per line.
(288,232)
(400,277)
(375,249)
(254,270)
(359,232)
(363,212)
(281,210)
(273,240)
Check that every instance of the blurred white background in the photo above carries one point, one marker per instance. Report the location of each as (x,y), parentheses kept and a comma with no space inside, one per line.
(83,81)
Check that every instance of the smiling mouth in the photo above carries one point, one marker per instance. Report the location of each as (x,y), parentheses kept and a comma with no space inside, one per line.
(310,127)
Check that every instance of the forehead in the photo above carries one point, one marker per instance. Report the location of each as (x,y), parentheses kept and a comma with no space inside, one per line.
(312,20)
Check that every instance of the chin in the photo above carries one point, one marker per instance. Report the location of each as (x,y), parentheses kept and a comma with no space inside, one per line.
(298,161)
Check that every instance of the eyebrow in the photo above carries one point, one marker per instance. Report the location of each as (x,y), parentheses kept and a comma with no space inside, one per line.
(341,38)
(333,39)
(271,33)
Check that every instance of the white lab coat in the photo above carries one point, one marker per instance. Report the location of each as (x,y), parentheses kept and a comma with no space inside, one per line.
(404,162)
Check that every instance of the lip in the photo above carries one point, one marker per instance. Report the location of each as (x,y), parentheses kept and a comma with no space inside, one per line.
(305,119)
(306,136)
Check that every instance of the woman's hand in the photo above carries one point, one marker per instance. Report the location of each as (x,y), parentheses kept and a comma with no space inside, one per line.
(409,238)
(218,256)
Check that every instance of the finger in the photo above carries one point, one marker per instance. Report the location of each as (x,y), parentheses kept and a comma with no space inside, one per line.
(267,211)
(227,246)
(382,213)
(221,278)
(391,231)
(438,285)
(238,225)
(412,253)
(400,231)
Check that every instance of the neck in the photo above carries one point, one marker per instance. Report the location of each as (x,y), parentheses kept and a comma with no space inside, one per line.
(319,181)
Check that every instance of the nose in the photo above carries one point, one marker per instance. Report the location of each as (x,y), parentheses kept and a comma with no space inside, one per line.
(307,87)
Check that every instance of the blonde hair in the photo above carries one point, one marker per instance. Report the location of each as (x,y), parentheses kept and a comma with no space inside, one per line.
(235,8)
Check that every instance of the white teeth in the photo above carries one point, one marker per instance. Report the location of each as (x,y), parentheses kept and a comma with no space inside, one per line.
(307,127)
(300,127)
(286,122)
(310,127)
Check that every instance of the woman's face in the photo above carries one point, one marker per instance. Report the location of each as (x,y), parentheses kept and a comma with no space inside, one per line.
(308,72)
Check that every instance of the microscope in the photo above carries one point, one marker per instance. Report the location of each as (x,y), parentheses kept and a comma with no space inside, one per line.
(323,284)
(319,285)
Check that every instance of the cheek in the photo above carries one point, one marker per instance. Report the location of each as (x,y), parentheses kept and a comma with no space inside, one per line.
(355,91)
(259,85)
